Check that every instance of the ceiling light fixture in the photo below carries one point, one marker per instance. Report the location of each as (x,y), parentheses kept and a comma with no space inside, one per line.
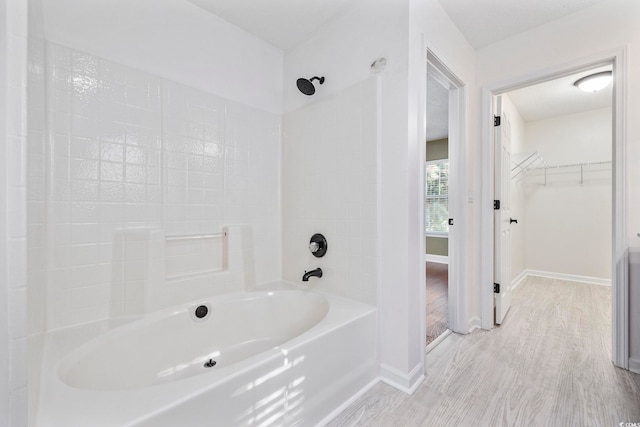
(594,82)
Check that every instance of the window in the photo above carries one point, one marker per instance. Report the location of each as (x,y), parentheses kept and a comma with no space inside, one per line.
(436,210)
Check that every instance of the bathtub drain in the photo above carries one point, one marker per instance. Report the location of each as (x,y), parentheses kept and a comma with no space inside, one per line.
(210,363)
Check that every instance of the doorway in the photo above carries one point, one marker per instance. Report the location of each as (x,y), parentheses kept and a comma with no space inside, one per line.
(436,209)
(444,184)
(616,224)
(555,182)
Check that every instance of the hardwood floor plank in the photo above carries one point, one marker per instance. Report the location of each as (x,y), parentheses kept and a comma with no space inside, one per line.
(548,364)
(437,300)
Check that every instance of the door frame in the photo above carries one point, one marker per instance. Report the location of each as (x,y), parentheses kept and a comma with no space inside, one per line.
(619,275)
(458,181)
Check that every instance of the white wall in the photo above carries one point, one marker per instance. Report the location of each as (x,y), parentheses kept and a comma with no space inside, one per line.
(519,151)
(568,224)
(441,36)
(603,27)
(173,39)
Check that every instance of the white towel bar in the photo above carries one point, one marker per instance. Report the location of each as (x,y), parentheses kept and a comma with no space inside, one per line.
(196,236)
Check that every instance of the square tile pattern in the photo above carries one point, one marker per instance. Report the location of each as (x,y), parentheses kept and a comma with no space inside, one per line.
(126,149)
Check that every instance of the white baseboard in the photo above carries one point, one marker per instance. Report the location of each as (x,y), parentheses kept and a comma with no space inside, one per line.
(407,383)
(634,365)
(569,277)
(433,344)
(348,402)
(436,258)
(517,281)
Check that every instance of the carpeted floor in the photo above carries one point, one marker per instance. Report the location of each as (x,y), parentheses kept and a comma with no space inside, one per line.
(437,299)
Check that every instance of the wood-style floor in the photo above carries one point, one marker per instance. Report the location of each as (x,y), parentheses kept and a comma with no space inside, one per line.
(437,300)
(547,365)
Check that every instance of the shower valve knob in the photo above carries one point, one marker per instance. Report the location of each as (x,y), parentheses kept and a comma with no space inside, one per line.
(318,245)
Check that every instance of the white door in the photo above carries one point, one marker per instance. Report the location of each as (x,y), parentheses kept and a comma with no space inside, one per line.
(502,238)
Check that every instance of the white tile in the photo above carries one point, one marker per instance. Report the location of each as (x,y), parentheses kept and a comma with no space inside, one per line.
(135,174)
(84,212)
(17,313)
(83,275)
(59,278)
(84,233)
(136,212)
(60,257)
(85,148)
(111,192)
(84,254)
(111,172)
(83,169)
(84,190)
(135,193)
(19,411)
(135,270)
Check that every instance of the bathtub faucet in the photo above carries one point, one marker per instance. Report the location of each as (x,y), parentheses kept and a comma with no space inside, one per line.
(313,273)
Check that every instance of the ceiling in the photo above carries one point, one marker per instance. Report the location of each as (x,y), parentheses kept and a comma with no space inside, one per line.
(282,23)
(484,22)
(437,110)
(559,97)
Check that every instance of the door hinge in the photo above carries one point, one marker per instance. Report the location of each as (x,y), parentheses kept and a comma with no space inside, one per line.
(450,221)
(496,288)
(496,120)
(496,205)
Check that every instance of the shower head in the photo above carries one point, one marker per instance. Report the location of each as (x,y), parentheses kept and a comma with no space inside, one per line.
(306,86)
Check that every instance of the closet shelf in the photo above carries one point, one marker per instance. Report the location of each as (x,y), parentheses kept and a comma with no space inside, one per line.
(530,162)
(534,163)
(571,168)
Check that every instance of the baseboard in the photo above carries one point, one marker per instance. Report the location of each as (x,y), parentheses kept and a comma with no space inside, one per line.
(436,258)
(433,344)
(634,365)
(407,383)
(517,281)
(569,277)
(474,323)
(348,402)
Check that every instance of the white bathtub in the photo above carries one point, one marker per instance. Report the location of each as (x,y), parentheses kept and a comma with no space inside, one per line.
(283,357)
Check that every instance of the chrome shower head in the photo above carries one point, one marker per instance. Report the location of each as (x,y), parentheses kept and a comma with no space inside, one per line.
(306,86)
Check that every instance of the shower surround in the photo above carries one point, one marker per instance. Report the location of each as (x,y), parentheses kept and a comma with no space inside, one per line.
(119,156)
(128,149)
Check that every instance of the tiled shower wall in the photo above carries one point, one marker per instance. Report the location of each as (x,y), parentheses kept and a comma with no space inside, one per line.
(127,149)
(330,185)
